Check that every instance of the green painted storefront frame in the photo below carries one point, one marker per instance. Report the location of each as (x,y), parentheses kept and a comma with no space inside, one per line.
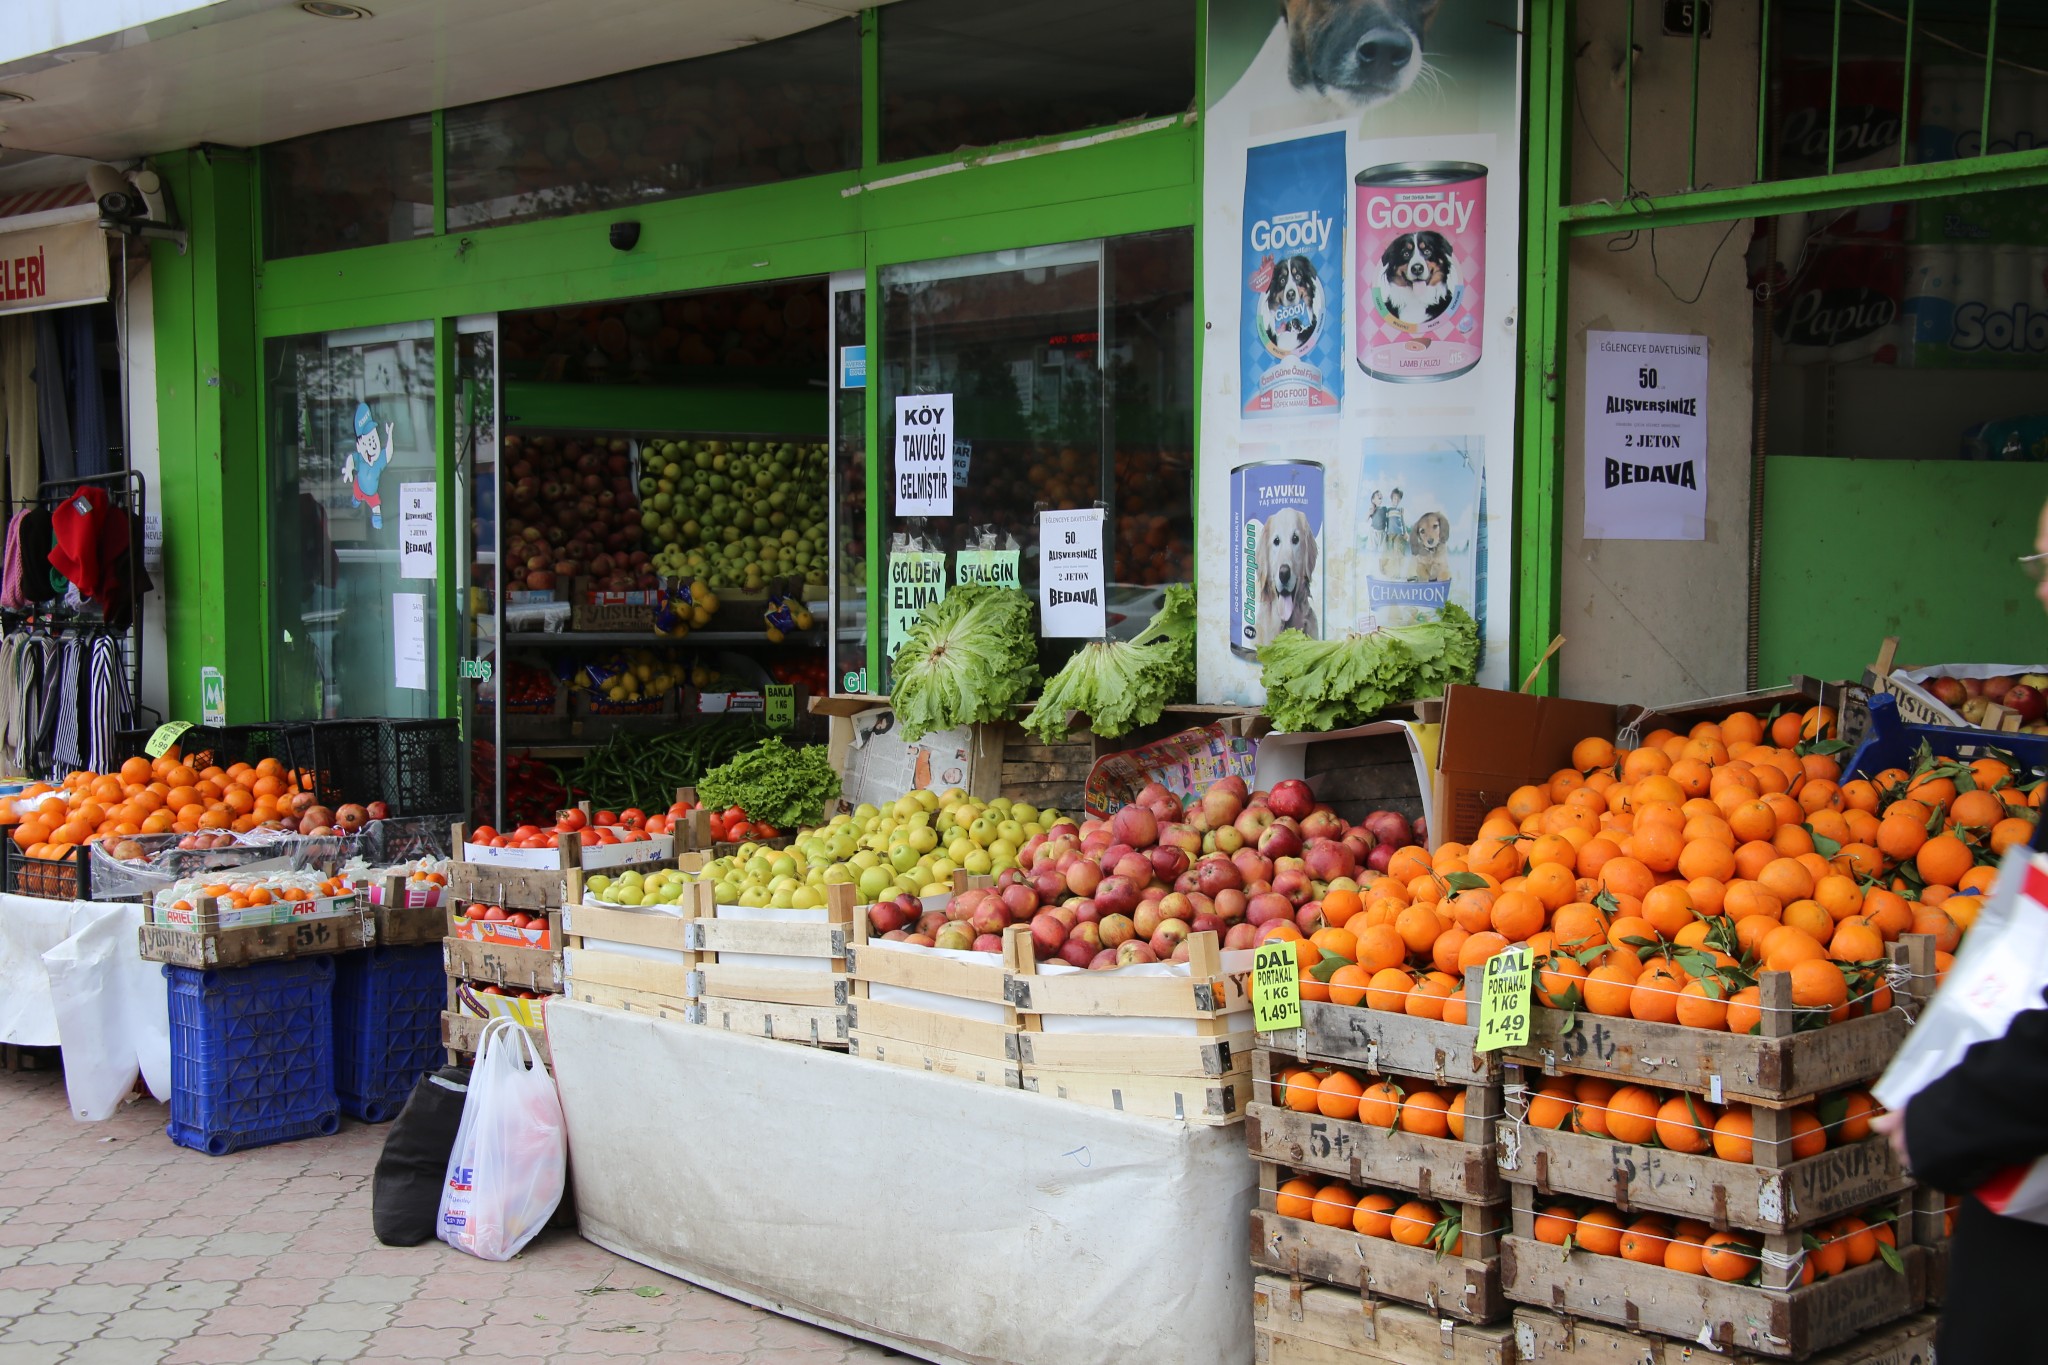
(1552,222)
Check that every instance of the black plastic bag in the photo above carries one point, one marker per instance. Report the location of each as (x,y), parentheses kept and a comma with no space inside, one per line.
(405,1192)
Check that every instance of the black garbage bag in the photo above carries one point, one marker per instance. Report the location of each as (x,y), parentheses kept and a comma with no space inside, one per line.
(405,1192)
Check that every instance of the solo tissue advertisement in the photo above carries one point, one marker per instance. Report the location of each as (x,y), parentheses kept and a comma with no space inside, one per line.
(1361,242)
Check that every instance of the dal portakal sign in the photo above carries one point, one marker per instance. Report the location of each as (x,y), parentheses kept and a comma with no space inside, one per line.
(53,265)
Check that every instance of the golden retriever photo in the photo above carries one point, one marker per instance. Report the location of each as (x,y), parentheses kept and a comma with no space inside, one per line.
(1286,577)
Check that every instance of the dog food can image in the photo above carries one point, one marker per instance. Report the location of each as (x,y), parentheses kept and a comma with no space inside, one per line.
(1421,229)
(1276,514)
(1291,339)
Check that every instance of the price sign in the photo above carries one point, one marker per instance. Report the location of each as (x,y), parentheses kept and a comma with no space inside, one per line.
(1276,987)
(781,706)
(1504,999)
(166,735)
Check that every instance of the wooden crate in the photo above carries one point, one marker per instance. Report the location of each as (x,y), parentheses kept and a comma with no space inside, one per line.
(1776,1067)
(1378,1040)
(1445,1168)
(1784,1323)
(1048,776)
(208,945)
(533,969)
(936,1012)
(1774,1195)
(817,1025)
(1309,1324)
(520,887)
(594,972)
(460,1033)
(398,922)
(741,984)
(1547,1339)
(1466,1287)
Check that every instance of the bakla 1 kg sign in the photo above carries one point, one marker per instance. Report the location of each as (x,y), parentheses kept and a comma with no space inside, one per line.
(1646,436)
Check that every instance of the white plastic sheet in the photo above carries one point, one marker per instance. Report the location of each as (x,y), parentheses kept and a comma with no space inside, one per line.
(961,1223)
(70,975)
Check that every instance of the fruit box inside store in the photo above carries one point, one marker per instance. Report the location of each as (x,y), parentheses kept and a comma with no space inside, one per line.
(2012,697)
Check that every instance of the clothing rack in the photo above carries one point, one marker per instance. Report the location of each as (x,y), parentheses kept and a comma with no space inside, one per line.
(126,490)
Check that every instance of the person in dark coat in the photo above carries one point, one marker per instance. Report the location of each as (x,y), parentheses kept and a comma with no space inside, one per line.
(1988,1113)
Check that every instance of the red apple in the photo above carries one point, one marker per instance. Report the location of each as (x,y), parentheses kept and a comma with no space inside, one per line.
(1168,935)
(1389,827)
(1075,953)
(2028,702)
(987,943)
(1292,798)
(1281,840)
(1240,937)
(1136,826)
(1048,935)
(1327,860)
(1996,688)
(1116,930)
(1947,691)
(1134,954)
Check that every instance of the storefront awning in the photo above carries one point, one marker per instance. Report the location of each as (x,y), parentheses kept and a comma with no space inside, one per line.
(52,257)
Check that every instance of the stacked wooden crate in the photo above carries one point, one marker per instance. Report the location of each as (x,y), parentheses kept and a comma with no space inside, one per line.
(534,882)
(1160,1040)
(774,973)
(1777,1201)
(933,1009)
(1457,1280)
(1295,1322)
(634,958)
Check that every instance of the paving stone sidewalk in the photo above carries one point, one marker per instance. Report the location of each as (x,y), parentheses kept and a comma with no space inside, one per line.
(117,1247)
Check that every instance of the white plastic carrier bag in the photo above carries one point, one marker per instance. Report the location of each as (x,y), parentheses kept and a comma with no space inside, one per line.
(511,1158)
(2002,969)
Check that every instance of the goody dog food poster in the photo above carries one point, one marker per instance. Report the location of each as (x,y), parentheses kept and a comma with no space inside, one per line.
(1359,265)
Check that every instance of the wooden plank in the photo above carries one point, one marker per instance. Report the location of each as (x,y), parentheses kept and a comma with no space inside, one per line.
(1744,1067)
(244,944)
(1435,1168)
(821,1026)
(1136,1054)
(967,1066)
(1311,1324)
(534,969)
(401,924)
(1722,1193)
(1193,1099)
(907,1024)
(632,1001)
(461,1032)
(773,985)
(1546,1339)
(767,938)
(1376,1040)
(1454,1286)
(886,965)
(613,924)
(1728,1317)
(589,967)
(515,888)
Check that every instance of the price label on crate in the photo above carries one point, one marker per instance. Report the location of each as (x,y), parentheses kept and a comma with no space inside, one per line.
(1276,987)
(166,735)
(781,706)
(1504,999)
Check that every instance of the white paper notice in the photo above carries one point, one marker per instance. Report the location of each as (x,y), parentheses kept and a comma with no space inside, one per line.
(1646,436)
(416,511)
(1070,574)
(924,455)
(409,640)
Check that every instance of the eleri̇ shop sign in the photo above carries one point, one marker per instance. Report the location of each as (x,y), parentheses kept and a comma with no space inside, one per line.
(53,265)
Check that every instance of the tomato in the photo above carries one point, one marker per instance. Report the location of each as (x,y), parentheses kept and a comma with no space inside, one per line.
(632,817)
(739,833)
(719,827)
(766,832)
(519,921)
(571,820)
(483,834)
(657,824)
(526,831)
(494,913)
(588,836)
(605,817)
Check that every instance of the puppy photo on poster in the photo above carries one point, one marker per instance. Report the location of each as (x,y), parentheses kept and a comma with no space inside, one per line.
(1418,528)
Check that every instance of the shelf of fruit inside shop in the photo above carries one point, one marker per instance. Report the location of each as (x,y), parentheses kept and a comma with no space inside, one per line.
(570,639)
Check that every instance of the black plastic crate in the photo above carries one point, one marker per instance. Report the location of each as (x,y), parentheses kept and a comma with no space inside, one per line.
(344,759)
(423,767)
(68,878)
(228,744)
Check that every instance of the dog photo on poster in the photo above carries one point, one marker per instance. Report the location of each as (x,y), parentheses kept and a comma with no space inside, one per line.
(1352,149)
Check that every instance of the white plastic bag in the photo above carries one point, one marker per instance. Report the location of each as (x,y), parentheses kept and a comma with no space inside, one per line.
(511,1156)
(2001,970)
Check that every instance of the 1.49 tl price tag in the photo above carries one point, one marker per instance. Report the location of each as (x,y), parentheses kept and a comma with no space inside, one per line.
(1504,999)
(1276,987)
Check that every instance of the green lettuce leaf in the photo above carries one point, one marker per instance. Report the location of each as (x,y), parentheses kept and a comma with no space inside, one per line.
(970,657)
(786,787)
(1121,685)
(1330,684)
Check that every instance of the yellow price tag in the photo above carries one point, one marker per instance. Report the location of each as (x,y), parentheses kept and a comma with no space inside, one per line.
(1276,986)
(1504,999)
(166,735)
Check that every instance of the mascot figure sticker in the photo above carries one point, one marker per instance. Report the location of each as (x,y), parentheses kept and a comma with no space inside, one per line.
(364,466)
(1292,345)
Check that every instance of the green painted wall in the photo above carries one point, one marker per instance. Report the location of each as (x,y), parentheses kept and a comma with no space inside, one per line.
(1855,550)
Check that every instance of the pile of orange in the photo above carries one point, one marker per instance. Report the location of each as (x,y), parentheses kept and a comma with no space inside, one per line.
(1401,1218)
(1336,1093)
(244,895)
(1693,1248)
(1657,882)
(151,796)
(1680,1122)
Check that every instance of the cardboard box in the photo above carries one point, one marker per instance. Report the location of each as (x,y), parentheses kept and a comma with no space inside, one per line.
(1917,706)
(1185,764)
(1494,742)
(1382,765)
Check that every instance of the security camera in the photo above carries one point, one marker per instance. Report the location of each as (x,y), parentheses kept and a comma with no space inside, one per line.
(111,190)
(133,203)
(625,235)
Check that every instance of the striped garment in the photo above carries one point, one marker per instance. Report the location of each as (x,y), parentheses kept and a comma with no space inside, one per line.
(108,705)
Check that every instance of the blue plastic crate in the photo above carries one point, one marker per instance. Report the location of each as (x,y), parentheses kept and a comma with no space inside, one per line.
(252,1054)
(1892,743)
(387,1026)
